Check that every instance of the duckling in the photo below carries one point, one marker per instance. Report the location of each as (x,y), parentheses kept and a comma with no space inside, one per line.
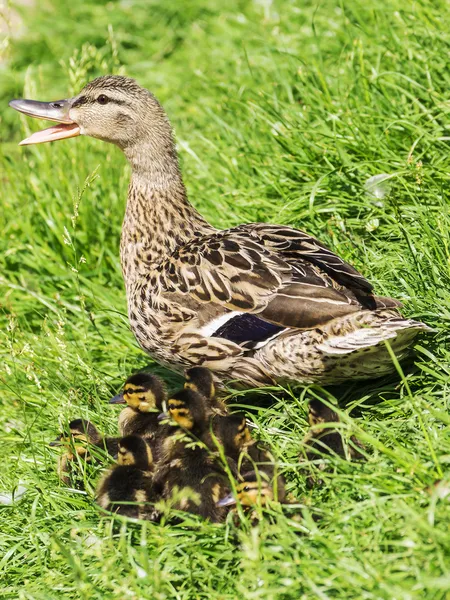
(321,441)
(201,380)
(189,410)
(193,481)
(189,475)
(248,454)
(328,440)
(233,434)
(82,434)
(126,488)
(255,488)
(85,431)
(144,394)
(242,452)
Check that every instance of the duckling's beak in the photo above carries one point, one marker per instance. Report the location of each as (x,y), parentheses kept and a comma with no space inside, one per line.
(227,501)
(163,416)
(119,399)
(57,442)
(52,111)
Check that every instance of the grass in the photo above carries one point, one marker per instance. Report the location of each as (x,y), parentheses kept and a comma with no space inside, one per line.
(282,110)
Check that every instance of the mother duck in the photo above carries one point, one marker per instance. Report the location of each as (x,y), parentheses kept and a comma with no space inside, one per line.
(256,303)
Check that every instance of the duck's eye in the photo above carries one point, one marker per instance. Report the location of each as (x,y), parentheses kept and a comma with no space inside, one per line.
(102,99)
(247,488)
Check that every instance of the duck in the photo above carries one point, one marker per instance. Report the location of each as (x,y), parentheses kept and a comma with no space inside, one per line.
(189,476)
(81,437)
(201,380)
(257,303)
(127,487)
(144,394)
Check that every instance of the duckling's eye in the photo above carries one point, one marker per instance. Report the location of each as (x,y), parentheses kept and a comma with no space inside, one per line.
(102,99)
(247,488)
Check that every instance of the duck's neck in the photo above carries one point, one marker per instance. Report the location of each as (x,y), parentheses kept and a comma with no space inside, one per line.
(158,216)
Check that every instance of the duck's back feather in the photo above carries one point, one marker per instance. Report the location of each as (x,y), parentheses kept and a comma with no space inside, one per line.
(295,245)
(282,276)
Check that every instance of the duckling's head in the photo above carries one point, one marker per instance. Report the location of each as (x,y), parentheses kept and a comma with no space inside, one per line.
(187,408)
(200,380)
(134,450)
(80,430)
(254,489)
(143,392)
(112,108)
(232,431)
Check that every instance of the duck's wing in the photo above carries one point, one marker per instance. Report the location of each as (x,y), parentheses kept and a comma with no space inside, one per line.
(260,289)
(296,247)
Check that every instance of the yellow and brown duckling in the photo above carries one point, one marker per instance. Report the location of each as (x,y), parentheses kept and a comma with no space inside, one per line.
(250,455)
(330,439)
(255,488)
(82,440)
(144,395)
(189,475)
(201,380)
(127,488)
(189,410)
(233,434)
(193,481)
(325,438)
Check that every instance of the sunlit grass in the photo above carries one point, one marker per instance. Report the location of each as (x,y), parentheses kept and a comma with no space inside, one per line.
(282,113)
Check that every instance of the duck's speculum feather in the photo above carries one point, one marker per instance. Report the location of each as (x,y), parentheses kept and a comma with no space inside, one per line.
(248,330)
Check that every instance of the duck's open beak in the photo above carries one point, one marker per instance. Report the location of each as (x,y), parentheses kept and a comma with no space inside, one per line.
(119,399)
(52,111)
(227,501)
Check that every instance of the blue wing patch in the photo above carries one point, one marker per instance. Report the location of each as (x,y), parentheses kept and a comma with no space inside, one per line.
(247,329)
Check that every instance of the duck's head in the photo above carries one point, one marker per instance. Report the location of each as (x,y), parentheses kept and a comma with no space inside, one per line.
(111,108)
(187,408)
(232,432)
(134,450)
(143,392)
(200,380)
(81,431)
(254,489)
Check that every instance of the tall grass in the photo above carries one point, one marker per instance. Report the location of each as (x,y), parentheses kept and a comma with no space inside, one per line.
(283,111)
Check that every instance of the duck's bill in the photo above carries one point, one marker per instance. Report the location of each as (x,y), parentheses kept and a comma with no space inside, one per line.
(119,399)
(164,416)
(229,500)
(52,111)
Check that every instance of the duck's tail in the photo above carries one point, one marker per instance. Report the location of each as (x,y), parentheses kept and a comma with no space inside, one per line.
(366,329)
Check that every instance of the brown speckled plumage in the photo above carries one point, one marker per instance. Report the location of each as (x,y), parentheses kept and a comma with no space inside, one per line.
(256,303)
